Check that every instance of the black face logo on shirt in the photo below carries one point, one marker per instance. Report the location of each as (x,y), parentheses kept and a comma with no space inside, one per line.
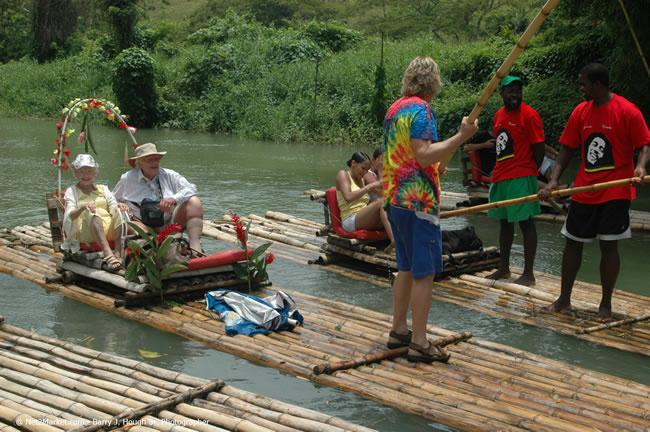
(597,153)
(505,145)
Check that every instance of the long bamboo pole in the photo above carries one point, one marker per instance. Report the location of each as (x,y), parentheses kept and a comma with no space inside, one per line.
(328,368)
(614,324)
(636,40)
(122,419)
(531,198)
(521,44)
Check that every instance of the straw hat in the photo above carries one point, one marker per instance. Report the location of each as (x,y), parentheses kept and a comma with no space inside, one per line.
(143,150)
(84,160)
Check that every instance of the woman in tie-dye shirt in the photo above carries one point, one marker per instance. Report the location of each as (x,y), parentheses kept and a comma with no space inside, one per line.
(411,197)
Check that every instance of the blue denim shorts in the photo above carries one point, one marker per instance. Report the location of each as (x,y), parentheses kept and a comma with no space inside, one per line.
(418,242)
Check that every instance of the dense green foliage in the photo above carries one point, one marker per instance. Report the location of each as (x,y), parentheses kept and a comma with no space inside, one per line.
(275,77)
(133,84)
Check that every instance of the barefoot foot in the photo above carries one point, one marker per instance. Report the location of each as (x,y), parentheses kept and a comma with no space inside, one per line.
(499,274)
(604,315)
(556,306)
(526,280)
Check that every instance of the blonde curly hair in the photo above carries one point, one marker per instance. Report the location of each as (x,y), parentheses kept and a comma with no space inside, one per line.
(421,78)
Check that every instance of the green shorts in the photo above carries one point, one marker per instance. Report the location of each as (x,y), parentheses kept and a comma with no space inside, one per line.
(510,189)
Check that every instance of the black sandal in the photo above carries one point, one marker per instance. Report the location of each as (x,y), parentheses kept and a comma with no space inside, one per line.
(404,339)
(197,254)
(429,354)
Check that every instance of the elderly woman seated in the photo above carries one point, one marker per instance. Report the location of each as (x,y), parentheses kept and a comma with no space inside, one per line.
(92,214)
(175,196)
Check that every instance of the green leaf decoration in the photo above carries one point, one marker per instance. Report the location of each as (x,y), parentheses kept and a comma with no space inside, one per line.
(150,354)
(89,140)
(149,237)
(164,246)
(171,269)
(259,251)
(240,271)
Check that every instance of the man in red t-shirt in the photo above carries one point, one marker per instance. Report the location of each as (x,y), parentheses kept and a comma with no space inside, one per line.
(608,129)
(520,150)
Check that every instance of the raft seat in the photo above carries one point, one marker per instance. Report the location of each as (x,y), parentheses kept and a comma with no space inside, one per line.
(335,218)
(477,173)
(218,259)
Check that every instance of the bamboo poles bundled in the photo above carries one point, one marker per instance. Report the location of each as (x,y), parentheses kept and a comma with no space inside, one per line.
(31,263)
(485,387)
(145,397)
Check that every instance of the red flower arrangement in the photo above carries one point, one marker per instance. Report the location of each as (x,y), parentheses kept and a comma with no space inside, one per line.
(146,255)
(166,231)
(256,262)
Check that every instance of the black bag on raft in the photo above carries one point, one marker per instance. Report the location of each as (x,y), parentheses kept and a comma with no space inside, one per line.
(150,213)
(461,240)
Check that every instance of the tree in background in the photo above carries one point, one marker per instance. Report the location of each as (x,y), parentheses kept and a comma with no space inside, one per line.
(15,32)
(52,22)
(133,84)
(123,15)
(605,18)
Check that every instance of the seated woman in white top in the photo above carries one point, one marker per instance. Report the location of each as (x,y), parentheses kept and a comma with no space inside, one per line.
(92,214)
(357,212)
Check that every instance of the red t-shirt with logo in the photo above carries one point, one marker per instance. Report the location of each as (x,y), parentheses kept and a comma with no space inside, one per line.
(516,131)
(607,137)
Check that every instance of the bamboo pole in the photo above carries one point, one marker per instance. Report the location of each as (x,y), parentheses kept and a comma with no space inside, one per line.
(521,44)
(124,418)
(636,41)
(531,198)
(328,368)
(613,324)
(104,276)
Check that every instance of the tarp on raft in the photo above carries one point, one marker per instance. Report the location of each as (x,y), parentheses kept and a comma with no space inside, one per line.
(249,315)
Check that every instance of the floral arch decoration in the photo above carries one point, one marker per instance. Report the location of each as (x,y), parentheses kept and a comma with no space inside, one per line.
(82,107)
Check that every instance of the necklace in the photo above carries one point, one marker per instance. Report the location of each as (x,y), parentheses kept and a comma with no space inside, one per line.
(156,190)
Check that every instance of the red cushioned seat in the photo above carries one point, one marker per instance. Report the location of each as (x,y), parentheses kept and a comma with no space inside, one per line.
(218,259)
(335,218)
(477,174)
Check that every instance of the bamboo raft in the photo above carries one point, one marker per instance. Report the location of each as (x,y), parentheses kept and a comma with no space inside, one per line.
(50,385)
(371,255)
(498,298)
(295,239)
(485,386)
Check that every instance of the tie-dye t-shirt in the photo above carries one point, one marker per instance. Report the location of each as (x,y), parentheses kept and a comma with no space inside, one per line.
(406,183)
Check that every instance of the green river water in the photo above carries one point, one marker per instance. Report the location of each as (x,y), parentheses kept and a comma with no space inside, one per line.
(248,176)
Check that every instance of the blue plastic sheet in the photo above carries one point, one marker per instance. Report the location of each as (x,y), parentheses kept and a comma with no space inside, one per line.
(249,315)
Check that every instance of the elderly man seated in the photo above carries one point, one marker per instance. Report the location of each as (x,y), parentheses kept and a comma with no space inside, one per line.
(176,196)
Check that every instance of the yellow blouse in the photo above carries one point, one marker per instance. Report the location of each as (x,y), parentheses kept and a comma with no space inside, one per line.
(350,208)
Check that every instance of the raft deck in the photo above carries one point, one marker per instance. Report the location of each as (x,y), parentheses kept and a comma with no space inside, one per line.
(50,385)
(295,239)
(499,298)
(485,386)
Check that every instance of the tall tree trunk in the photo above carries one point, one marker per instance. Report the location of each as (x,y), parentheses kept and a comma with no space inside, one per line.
(52,23)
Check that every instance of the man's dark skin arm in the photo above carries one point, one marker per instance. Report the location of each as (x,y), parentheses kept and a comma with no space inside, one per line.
(538,153)
(562,161)
(644,157)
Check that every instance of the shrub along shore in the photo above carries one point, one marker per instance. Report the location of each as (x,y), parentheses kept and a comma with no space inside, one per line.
(321,83)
